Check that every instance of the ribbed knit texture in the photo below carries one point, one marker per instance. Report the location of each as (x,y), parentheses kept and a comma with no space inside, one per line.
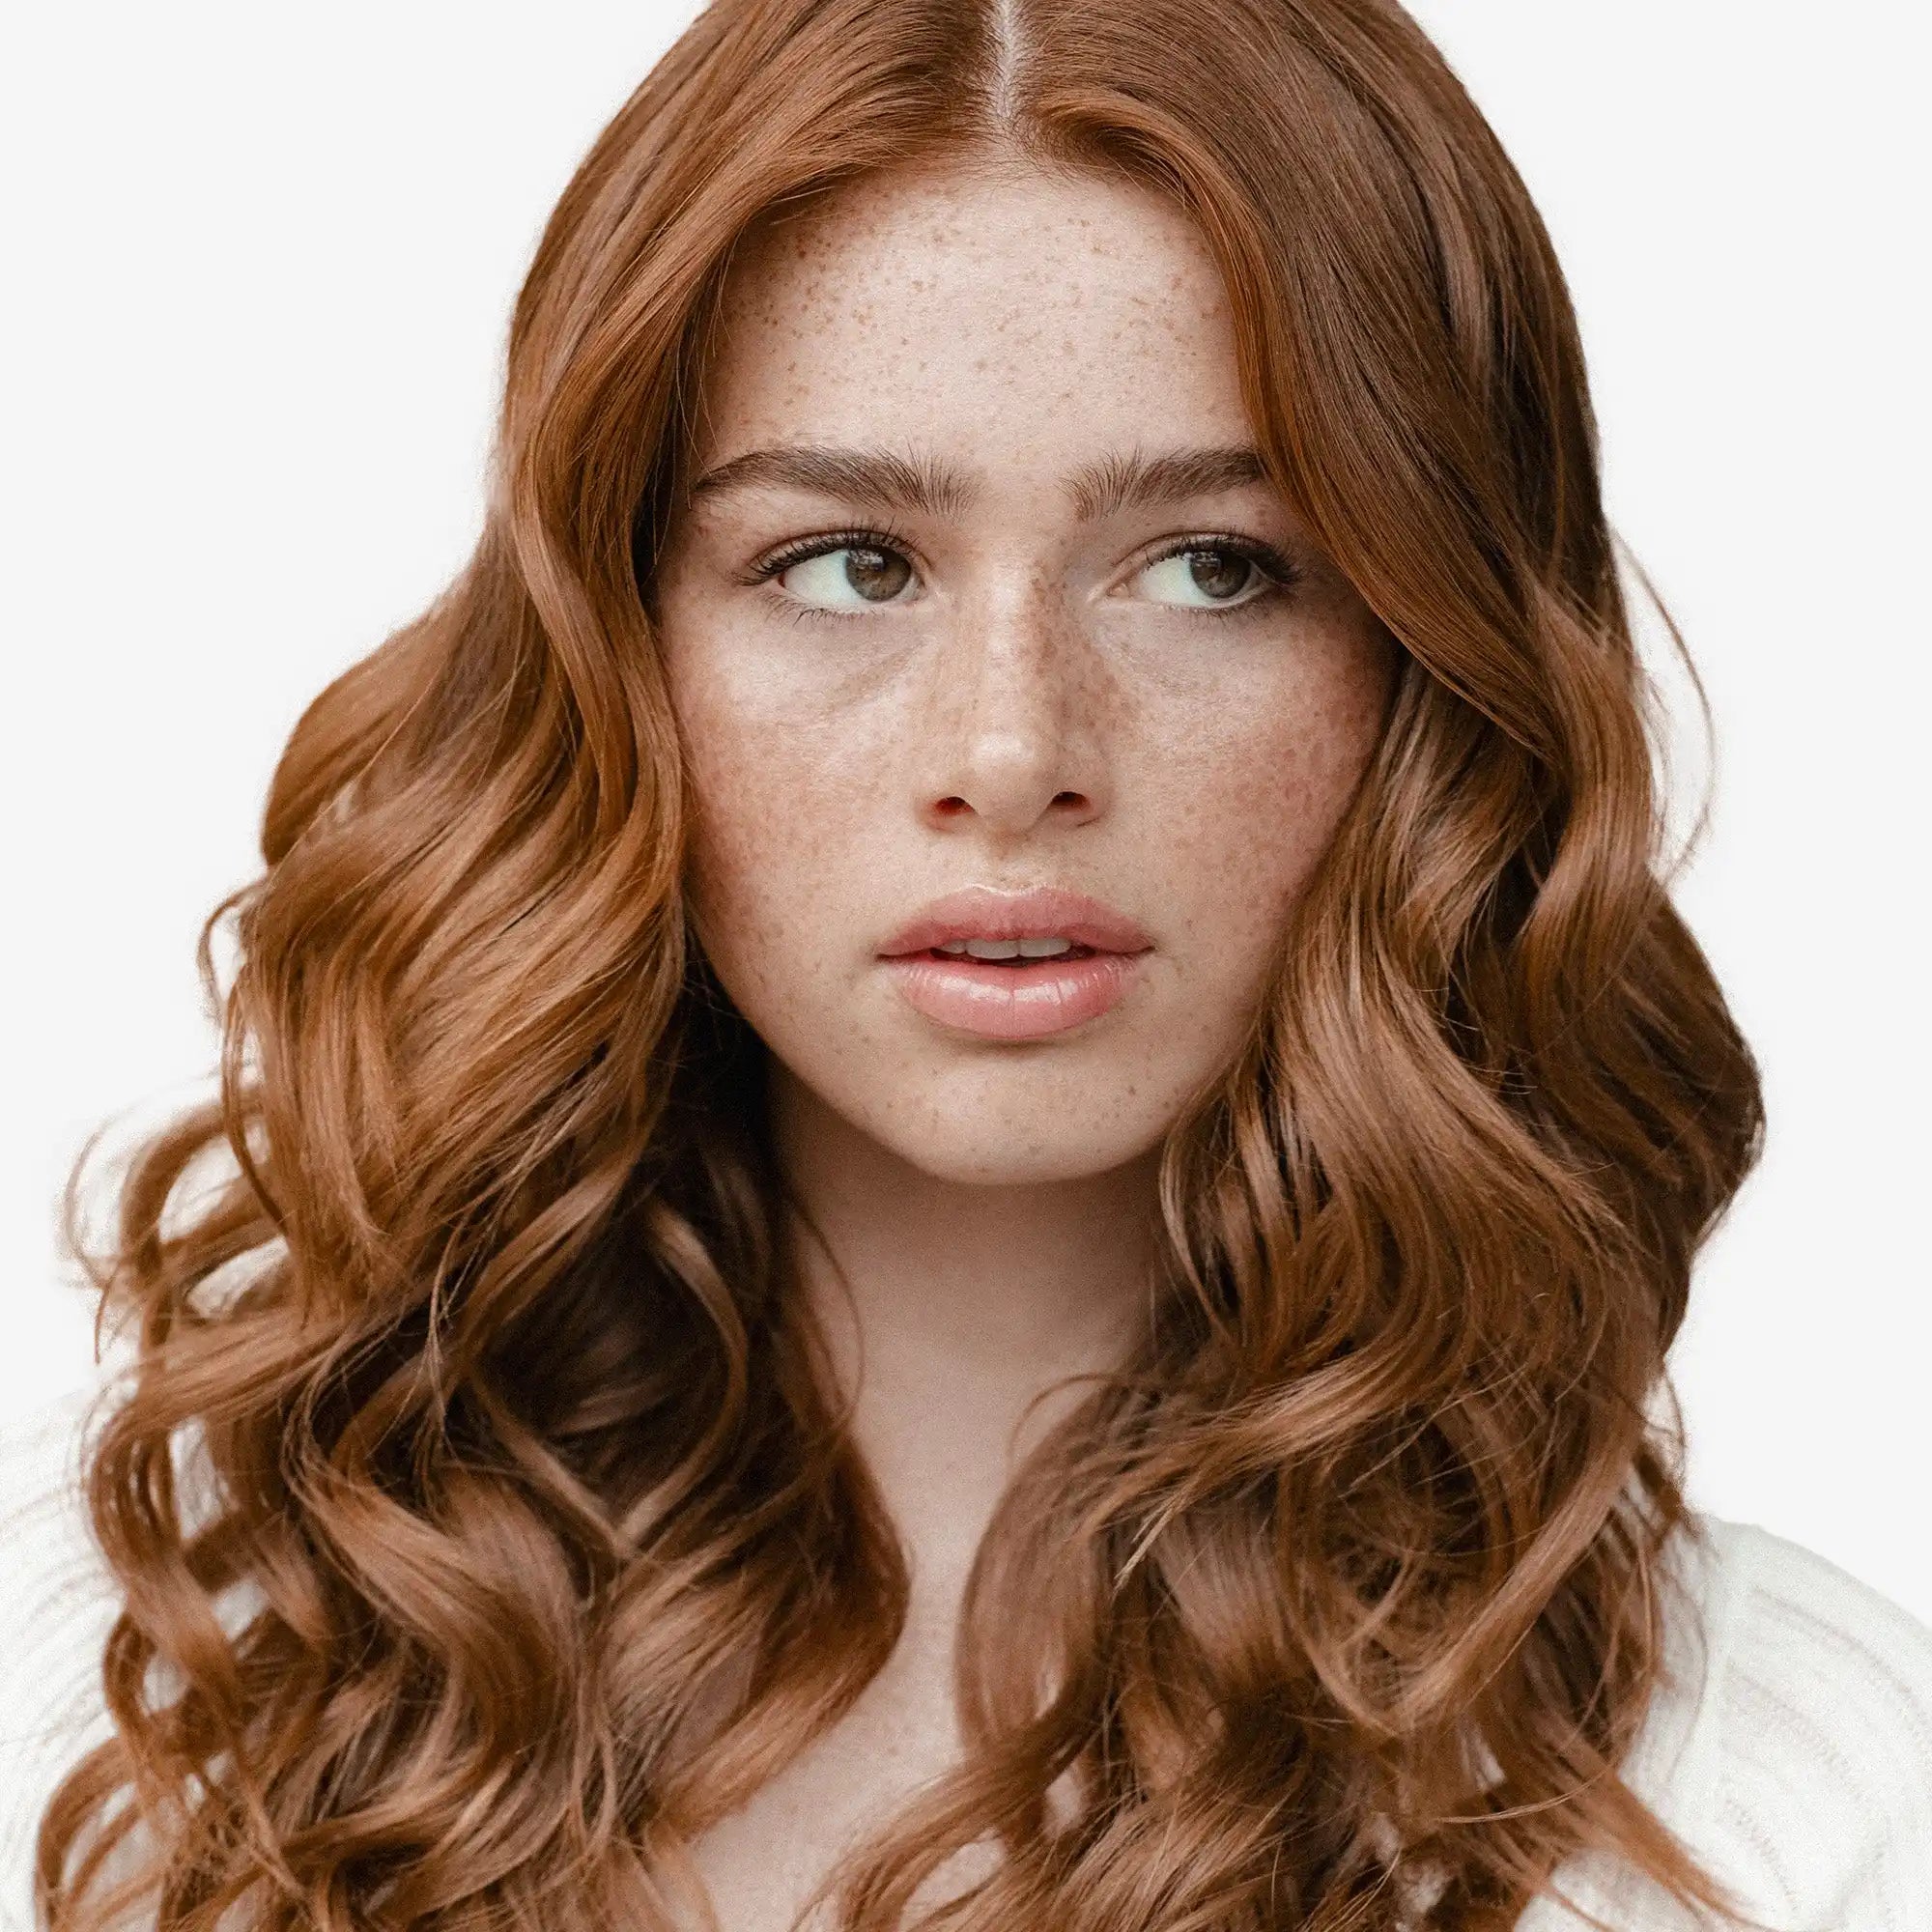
(1791,1748)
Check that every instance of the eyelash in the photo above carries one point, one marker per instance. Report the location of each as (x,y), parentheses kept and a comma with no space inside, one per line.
(1282,573)
(824,544)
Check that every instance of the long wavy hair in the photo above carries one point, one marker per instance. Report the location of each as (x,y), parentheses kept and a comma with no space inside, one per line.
(528,1539)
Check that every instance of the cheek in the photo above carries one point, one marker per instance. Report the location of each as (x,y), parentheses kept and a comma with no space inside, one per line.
(1252,793)
(776,807)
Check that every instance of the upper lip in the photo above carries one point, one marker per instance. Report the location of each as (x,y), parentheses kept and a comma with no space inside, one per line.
(1040,912)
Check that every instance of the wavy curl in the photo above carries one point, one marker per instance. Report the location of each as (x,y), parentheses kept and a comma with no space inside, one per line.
(532,1542)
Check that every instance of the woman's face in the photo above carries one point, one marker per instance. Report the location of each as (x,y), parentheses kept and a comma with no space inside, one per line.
(976,587)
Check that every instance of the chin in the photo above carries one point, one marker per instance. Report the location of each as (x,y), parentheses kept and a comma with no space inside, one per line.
(989,1118)
(990,1146)
(975,1161)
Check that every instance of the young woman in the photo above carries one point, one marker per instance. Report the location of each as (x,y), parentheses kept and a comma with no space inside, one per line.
(961,1126)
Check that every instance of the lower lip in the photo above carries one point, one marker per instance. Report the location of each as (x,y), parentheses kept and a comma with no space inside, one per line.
(1027,1002)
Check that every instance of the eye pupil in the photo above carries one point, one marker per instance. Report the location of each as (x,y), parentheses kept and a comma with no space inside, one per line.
(1218,573)
(879,575)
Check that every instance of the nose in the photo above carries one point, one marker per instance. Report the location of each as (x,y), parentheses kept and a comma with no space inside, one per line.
(1011,736)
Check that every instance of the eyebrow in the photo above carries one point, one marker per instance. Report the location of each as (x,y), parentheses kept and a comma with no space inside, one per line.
(925,484)
(864,475)
(1136,481)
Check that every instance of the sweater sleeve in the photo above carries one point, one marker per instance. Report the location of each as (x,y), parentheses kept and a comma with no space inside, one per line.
(1791,1755)
(1818,1799)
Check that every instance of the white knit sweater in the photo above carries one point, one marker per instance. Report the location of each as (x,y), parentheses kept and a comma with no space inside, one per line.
(1791,1749)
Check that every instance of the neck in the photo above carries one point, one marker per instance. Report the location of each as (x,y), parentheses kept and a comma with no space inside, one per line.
(948,1306)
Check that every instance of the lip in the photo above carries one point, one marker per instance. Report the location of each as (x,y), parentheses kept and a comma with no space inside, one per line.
(1040,912)
(1030,1001)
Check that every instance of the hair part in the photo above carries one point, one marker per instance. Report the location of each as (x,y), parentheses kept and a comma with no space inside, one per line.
(534,1543)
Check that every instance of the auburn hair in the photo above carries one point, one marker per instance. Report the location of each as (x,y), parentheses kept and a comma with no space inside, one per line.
(528,1541)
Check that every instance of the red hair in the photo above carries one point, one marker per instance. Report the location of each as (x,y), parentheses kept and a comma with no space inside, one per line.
(533,1543)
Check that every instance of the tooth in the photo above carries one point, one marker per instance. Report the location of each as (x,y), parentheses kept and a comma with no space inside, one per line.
(952,946)
(1043,949)
(993,949)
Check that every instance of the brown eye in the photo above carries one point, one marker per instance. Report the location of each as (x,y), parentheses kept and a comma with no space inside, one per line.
(1204,576)
(1218,573)
(876,575)
(847,578)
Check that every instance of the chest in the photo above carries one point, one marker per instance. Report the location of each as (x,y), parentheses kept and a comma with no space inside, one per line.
(762,1863)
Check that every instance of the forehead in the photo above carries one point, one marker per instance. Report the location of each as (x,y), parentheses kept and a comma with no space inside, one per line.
(983,312)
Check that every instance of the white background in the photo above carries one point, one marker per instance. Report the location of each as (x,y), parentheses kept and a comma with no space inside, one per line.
(261,262)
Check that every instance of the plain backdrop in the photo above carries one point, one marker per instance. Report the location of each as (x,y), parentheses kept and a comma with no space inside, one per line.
(262,260)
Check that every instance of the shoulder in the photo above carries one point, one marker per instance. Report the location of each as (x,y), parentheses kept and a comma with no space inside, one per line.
(1818,1736)
(1790,1748)
(59,1603)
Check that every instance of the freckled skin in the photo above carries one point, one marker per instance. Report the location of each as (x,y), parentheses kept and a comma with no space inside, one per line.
(1186,767)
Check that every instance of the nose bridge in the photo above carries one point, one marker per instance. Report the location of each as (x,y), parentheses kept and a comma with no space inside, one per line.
(1008,700)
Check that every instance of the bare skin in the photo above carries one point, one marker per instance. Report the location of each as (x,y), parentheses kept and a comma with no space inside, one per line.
(1047,697)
